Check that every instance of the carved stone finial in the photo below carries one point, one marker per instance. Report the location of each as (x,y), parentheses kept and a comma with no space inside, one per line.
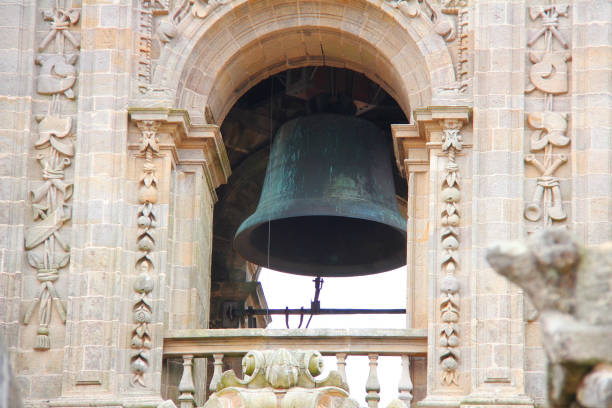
(572,289)
(281,369)
(286,374)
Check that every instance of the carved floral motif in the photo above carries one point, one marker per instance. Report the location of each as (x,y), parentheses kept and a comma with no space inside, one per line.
(449,287)
(142,308)
(548,74)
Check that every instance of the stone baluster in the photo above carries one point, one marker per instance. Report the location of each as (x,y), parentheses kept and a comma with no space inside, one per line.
(218,369)
(341,364)
(405,383)
(372,385)
(186,386)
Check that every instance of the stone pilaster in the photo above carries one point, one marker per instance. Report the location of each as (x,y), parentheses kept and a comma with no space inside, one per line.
(497,353)
(436,154)
(413,162)
(591,124)
(169,170)
(98,223)
(189,162)
(17,71)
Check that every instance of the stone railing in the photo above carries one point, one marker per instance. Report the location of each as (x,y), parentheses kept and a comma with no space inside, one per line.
(341,343)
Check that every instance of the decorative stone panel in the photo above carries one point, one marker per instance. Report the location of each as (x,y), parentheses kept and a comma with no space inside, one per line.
(547,123)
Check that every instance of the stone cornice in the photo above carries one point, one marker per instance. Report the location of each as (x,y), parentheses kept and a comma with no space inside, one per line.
(191,143)
(411,141)
(429,120)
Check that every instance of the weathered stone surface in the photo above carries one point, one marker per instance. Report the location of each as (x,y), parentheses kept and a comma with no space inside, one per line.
(570,286)
(285,378)
(281,369)
(69,70)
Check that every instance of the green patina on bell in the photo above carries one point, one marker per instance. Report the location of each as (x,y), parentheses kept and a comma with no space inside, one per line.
(328,204)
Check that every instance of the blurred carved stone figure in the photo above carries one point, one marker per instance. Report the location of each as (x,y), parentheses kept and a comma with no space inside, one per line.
(571,288)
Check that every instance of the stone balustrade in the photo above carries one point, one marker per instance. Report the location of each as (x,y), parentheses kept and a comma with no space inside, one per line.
(341,343)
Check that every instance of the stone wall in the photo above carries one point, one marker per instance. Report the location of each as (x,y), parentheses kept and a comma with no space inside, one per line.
(110,153)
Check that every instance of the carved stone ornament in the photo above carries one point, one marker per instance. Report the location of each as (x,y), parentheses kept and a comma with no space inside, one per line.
(48,249)
(203,8)
(452,143)
(60,21)
(572,289)
(166,30)
(450,21)
(146,220)
(549,75)
(47,245)
(57,75)
(281,378)
(415,8)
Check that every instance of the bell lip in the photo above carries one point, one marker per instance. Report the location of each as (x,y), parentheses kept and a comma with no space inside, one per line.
(383,265)
(342,207)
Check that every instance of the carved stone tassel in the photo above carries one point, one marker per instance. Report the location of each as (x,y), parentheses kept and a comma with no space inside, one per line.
(42,338)
(44,318)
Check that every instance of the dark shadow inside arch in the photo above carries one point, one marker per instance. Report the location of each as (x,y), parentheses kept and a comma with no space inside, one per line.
(247,132)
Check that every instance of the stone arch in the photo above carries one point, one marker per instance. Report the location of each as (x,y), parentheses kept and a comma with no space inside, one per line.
(213,61)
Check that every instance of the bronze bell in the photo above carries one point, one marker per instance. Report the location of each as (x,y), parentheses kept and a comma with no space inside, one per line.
(328,204)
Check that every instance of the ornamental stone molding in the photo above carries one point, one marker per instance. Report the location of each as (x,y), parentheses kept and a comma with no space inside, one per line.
(179,59)
(148,194)
(450,20)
